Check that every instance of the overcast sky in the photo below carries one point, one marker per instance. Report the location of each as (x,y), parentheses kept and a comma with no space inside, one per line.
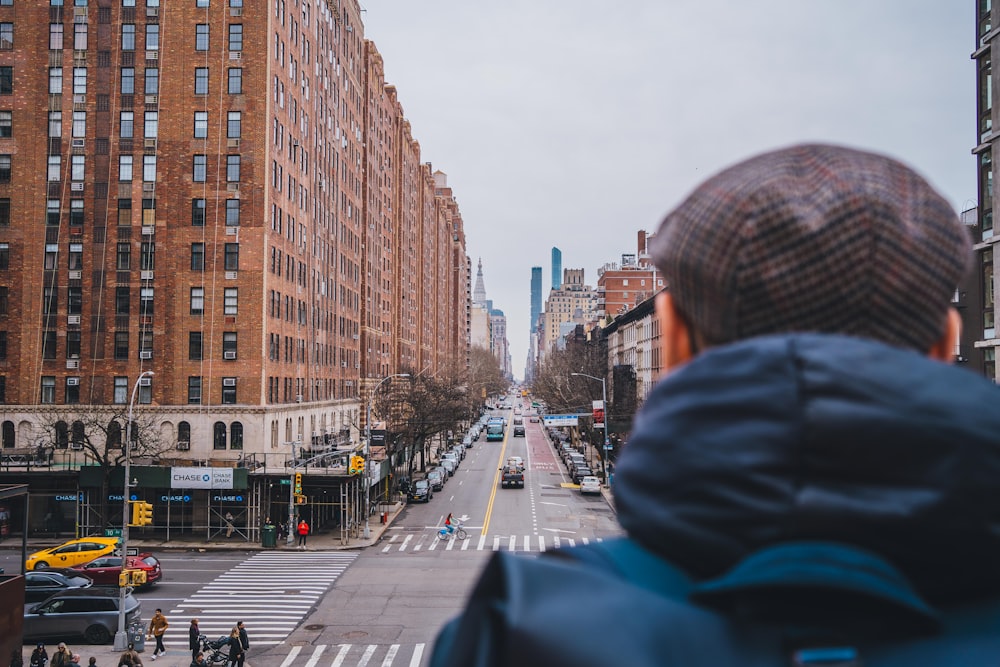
(576,123)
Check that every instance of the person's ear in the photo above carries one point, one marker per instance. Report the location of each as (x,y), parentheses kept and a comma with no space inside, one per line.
(944,348)
(675,334)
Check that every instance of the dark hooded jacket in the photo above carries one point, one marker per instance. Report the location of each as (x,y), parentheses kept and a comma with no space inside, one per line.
(792,439)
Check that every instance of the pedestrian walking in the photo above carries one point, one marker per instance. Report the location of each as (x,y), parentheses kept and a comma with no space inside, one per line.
(229,524)
(62,656)
(236,654)
(157,626)
(194,638)
(244,639)
(39,657)
(74,661)
(92,662)
(130,657)
(303,531)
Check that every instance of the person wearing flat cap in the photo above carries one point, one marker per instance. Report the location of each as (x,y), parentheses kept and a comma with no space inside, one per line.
(811,479)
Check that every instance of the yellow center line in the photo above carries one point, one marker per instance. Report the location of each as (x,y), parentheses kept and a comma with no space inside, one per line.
(496,480)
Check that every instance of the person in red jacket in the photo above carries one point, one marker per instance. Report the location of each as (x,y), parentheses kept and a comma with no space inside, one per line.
(303,531)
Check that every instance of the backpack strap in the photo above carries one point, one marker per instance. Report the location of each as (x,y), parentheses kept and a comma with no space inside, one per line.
(634,563)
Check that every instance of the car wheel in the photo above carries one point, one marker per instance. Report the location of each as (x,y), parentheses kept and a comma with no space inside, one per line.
(41,565)
(97,634)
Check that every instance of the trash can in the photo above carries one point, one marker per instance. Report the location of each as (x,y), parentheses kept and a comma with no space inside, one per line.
(137,636)
(269,537)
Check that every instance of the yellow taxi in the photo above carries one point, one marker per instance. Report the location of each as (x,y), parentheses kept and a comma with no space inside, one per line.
(74,552)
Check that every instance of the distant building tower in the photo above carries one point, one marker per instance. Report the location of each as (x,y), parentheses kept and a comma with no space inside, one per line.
(556,268)
(536,296)
(479,293)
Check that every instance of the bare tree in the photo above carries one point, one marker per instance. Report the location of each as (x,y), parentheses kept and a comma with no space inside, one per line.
(485,376)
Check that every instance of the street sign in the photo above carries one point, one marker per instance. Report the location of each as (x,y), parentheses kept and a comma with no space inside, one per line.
(284,482)
(112,532)
(132,551)
(609,447)
(560,420)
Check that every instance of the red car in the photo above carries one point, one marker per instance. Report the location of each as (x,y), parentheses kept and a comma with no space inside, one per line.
(105,570)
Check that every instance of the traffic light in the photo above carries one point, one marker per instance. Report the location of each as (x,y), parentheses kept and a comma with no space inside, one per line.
(298,483)
(142,513)
(357,464)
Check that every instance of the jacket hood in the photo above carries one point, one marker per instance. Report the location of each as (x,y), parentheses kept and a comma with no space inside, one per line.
(819,437)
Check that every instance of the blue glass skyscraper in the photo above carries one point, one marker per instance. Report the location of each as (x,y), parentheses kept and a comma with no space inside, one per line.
(536,296)
(556,268)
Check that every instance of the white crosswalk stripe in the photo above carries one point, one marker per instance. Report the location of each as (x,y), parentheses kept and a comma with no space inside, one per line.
(431,542)
(356,655)
(270,592)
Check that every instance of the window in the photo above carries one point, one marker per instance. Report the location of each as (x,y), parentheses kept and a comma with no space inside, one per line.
(75,256)
(55,80)
(229,344)
(73,344)
(128,80)
(235,432)
(6,80)
(4,212)
(74,300)
(197,212)
(72,390)
(201,3)
(6,123)
(232,257)
(80,36)
(147,256)
(230,301)
(236,37)
(233,168)
(232,212)
(52,212)
(79,124)
(3,344)
(201,37)
(218,435)
(128,37)
(4,256)
(48,389)
(145,304)
(183,433)
(233,126)
(55,36)
(48,345)
(124,168)
(54,169)
(145,393)
(149,168)
(4,300)
(195,351)
(228,391)
(151,125)
(124,212)
(200,124)
(197,300)
(51,257)
(50,300)
(201,81)
(122,301)
(77,167)
(4,168)
(198,171)
(121,390)
(194,394)
(6,36)
(126,119)
(197,256)
(152,81)
(152,37)
(55,124)
(235,81)
(79,80)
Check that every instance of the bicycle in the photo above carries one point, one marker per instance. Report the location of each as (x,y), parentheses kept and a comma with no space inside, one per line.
(459,532)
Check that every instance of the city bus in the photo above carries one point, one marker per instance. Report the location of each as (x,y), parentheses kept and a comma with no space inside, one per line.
(494,429)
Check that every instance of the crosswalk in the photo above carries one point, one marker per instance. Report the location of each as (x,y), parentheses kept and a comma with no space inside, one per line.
(424,541)
(270,592)
(355,655)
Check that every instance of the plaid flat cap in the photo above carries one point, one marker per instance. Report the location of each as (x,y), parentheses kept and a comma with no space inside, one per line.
(814,238)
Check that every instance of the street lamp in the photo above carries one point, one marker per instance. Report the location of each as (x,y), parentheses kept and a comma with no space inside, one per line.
(607,439)
(368,440)
(289,538)
(121,637)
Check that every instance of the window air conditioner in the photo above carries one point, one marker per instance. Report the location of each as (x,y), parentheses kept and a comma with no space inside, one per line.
(73,319)
(76,446)
(72,382)
(145,354)
(183,445)
(145,382)
(148,230)
(229,354)
(145,275)
(79,143)
(228,382)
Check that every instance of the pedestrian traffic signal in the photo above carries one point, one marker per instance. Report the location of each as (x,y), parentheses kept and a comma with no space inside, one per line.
(142,513)
(357,464)
(298,483)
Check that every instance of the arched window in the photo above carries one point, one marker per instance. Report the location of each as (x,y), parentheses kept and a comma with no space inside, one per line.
(8,434)
(78,434)
(62,435)
(115,435)
(183,435)
(236,435)
(219,435)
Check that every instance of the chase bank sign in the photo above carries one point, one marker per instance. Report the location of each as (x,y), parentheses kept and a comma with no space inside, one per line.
(201,478)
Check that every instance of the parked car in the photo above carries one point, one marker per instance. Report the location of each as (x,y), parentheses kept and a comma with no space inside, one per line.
(105,570)
(40,584)
(467,440)
(404,484)
(590,484)
(451,456)
(420,492)
(579,473)
(74,552)
(436,477)
(449,465)
(91,613)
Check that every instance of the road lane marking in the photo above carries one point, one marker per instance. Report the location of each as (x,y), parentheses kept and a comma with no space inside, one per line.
(390,655)
(512,544)
(482,541)
(496,543)
(290,658)
(541,543)
(315,656)
(341,655)
(496,481)
(418,653)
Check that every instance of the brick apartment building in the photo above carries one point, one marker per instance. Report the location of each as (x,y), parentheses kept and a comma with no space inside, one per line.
(231,200)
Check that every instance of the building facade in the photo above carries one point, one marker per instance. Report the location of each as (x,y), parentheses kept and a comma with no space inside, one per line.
(987,142)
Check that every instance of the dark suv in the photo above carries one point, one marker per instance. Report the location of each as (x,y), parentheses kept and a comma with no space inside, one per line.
(420,492)
(91,613)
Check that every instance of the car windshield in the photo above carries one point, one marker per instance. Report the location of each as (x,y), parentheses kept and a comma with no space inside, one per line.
(150,561)
(421,484)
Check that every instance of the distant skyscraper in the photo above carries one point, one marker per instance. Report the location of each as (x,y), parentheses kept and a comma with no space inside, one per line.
(479,292)
(556,268)
(536,295)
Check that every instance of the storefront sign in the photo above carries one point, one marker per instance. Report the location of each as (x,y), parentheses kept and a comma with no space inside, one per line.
(175,499)
(227,499)
(201,478)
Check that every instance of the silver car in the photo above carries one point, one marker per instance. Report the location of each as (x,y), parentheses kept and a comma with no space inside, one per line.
(85,612)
